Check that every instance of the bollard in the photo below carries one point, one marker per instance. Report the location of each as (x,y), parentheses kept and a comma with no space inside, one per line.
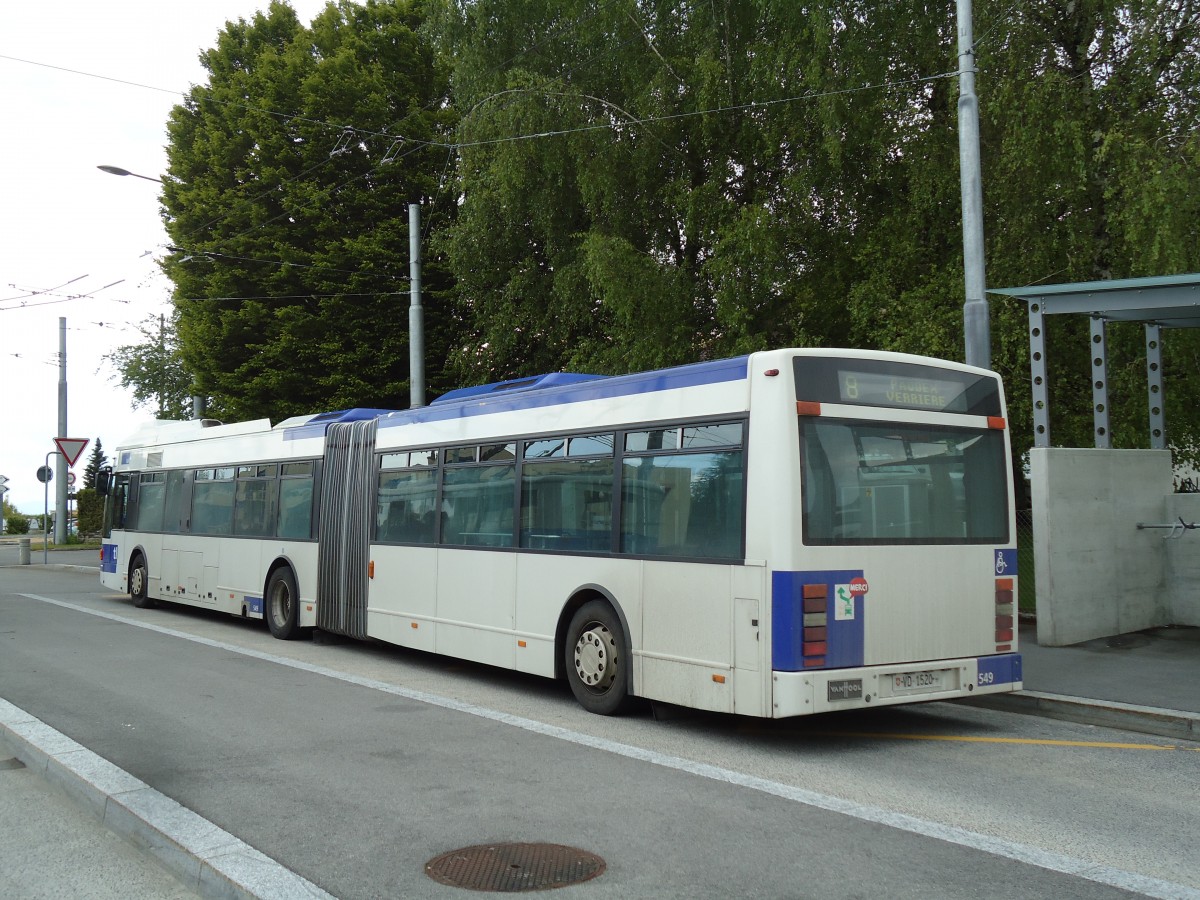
(23,551)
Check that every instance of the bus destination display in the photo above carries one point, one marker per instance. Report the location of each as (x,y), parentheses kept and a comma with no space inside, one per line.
(882,389)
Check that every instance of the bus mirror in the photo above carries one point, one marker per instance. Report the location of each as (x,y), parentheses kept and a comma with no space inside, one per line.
(103,480)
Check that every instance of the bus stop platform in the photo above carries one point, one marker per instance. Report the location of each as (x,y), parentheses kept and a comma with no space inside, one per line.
(1146,682)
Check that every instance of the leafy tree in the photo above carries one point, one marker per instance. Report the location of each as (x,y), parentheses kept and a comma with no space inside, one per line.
(640,230)
(1092,152)
(291,174)
(651,181)
(154,371)
(96,461)
(90,506)
(15,522)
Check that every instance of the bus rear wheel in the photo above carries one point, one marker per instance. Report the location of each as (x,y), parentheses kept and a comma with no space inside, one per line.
(283,605)
(139,584)
(595,659)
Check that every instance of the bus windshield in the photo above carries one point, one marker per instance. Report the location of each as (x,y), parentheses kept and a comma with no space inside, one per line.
(882,483)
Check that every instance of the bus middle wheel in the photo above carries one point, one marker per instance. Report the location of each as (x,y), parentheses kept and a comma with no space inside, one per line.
(283,605)
(595,659)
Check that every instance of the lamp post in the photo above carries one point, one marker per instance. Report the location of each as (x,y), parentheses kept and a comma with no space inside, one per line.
(117,170)
(197,401)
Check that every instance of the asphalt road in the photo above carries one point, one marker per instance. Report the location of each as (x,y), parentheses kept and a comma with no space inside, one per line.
(353,765)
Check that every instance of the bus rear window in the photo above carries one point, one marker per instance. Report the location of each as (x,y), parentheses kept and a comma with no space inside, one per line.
(880,483)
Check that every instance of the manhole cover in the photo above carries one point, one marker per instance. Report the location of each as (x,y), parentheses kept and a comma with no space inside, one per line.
(510,868)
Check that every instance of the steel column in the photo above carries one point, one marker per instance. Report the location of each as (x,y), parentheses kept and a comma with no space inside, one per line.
(1037,371)
(1154,387)
(1100,428)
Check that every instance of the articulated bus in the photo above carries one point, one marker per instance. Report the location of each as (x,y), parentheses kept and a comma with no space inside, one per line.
(785,533)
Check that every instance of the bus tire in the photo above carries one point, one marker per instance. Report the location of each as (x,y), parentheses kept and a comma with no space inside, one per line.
(139,583)
(282,606)
(596,661)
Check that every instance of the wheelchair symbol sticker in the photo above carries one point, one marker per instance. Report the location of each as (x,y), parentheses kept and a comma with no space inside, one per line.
(1006,563)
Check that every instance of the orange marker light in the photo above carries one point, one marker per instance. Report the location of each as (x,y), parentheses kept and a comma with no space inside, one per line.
(371,569)
(521,643)
(719,679)
(808,408)
(997,422)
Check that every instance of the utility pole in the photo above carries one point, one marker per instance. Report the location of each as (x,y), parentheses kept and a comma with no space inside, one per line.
(416,315)
(162,364)
(976,327)
(60,464)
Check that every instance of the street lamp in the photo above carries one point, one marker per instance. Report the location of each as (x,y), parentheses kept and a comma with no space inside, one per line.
(197,401)
(117,170)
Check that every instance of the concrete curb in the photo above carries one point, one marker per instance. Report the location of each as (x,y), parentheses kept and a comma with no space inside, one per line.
(206,858)
(1107,713)
(58,567)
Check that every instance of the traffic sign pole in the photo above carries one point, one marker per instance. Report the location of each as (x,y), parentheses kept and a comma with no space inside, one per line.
(49,473)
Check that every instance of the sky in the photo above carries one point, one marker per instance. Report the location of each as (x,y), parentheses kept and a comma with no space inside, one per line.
(75,242)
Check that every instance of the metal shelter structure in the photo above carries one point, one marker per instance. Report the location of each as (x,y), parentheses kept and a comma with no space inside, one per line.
(1169,301)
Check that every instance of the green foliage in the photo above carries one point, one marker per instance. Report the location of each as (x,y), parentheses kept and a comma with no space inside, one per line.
(658,181)
(15,522)
(290,273)
(646,182)
(90,510)
(154,372)
(97,459)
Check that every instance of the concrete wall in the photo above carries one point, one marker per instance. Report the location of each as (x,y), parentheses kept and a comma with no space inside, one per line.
(1097,574)
(1182,587)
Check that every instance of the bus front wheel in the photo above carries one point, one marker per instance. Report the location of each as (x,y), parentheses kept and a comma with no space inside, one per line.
(139,584)
(283,605)
(595,659)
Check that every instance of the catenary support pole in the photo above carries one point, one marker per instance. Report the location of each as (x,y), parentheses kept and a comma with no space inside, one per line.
(976,327)
(60,464)
(416,315)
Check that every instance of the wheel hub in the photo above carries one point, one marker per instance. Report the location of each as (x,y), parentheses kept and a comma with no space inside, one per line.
(595,657)
(281,605)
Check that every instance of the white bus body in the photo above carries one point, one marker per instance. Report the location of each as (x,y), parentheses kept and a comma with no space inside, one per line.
(792,532)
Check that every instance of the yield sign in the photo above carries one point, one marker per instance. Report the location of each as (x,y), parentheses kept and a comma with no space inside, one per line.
(71,448)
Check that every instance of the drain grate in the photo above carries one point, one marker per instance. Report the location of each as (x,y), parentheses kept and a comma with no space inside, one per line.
(512,868)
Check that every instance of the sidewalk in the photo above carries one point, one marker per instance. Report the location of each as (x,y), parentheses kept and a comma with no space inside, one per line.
(66,556)
(54,847)
(1148,682)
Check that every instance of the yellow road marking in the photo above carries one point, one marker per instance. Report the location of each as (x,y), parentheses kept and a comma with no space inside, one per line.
(970,739)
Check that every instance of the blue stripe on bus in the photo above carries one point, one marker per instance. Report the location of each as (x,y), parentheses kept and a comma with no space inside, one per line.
(108,558)
(693,375)
(843,644)
(1002,669)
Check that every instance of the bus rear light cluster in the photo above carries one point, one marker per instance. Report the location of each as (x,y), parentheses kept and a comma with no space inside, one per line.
(1004,613)
(816,622)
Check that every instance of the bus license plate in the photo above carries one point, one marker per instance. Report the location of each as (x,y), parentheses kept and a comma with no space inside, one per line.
(917,682)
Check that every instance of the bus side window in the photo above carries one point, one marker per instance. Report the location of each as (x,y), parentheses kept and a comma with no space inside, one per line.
(407,504)
(295,501)
(149,500)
